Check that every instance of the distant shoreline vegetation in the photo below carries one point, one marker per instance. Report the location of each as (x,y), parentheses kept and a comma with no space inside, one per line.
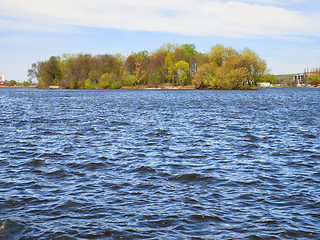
(171,65)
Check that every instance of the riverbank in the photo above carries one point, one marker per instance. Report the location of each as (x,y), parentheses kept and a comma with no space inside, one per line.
(162,87)
(18,86)
(171,87)
(269,85)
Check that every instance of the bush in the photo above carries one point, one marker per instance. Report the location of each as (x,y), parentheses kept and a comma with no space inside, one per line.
(90,85)
(269,78)
(289,83)
(313,79)
(106,80)
(115,85)
(130,80)
(12,83)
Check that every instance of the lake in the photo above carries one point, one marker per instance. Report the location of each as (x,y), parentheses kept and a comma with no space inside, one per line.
(156,164)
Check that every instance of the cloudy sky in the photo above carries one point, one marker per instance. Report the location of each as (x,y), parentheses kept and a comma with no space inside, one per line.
(285,33)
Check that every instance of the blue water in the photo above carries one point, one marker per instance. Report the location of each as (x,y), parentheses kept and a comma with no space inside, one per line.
(119,164)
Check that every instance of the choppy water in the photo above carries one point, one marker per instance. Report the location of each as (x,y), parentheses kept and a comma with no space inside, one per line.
(159,164)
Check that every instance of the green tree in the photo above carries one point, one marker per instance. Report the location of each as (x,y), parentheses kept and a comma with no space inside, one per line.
(191,56)
(182,71)
(130,80)
(169,65)
(190,49)
(108,63)
(34,73)
(206,76)
(313,79)
(155,68)
(269,78)
(256,66)
(136,64)
(232,75)
(77,70)
(50,72)
(219,54)
(141,65)
(168,47)
(12,83)
(107,79)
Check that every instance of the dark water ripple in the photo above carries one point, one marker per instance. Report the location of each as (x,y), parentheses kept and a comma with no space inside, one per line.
(159,164)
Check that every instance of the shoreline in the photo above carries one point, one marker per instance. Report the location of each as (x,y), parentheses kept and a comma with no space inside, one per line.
(142,87)
(19,86)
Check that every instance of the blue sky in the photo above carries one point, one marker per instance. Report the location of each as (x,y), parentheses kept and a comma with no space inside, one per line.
(285,33)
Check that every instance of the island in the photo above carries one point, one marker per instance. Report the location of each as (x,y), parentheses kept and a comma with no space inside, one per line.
(171,66)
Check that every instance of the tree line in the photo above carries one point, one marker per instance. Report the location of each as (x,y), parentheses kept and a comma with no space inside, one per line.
(172,64)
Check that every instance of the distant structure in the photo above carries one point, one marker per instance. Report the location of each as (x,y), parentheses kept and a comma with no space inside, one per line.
(300,78)
(2,80)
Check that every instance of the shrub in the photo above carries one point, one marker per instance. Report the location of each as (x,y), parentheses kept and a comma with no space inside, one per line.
(12,83)
(115,85)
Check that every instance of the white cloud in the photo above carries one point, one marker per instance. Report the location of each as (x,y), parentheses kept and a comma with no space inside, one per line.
(275,2)
(246,18)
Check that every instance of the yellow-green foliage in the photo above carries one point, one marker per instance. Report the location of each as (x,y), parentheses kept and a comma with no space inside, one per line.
(115,85)
(90,85)
(169,66)
(182,70)
(130,80)
(106,80)
(269,78)
(314,78)
(206,76)
(221,68)
(228,69)
(12,83)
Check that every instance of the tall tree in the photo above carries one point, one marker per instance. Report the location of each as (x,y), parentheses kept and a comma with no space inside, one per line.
(50,72)
(219,54)
(232,75)
(155,68)
(206,76)
(34,73)
(77,70)
(182,71)
(256,66)
(169,65)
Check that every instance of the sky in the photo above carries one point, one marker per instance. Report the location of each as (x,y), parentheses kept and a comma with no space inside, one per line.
(285,33)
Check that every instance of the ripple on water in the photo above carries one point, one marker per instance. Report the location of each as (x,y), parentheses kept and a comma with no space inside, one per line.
(191,177)
(159,164)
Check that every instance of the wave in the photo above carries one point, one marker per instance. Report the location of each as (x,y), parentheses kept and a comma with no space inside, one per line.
(191,177)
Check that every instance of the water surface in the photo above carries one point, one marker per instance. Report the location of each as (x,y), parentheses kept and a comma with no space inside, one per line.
(117,164)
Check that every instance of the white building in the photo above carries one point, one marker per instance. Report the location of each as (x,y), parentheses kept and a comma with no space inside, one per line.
(2,78)
(299,78)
